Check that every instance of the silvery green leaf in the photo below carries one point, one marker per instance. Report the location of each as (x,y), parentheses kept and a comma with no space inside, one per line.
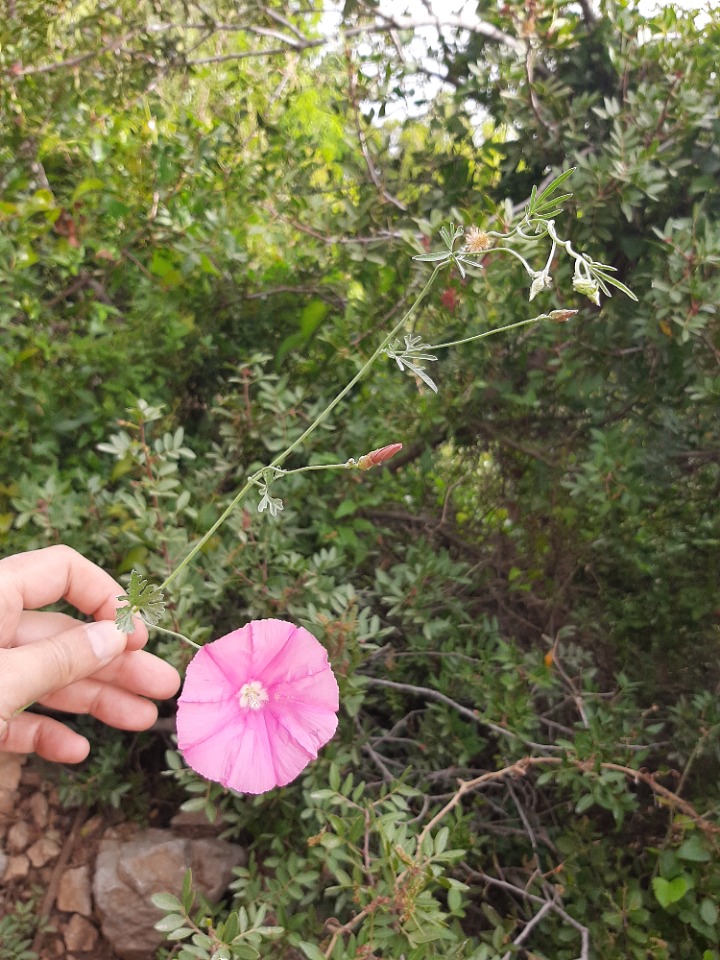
(432,257)
(273,504)
(602,276)
(419,372)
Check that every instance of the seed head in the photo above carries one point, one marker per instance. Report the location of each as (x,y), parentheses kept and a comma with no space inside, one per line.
(476,240)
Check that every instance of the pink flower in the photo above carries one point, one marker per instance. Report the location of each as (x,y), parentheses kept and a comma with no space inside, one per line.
(256,706)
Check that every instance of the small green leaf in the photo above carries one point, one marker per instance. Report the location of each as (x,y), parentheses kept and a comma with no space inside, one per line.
(169,923)
(432,257)
(709,912)
(554,185)
(694,850)
(243,951)
(669,891)
(188,894)
(143,598)
(311,951)
(166,901)
(86,186)
(441,840)
(454,899)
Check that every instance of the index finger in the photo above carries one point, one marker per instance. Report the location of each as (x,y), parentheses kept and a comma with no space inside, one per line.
(39,577)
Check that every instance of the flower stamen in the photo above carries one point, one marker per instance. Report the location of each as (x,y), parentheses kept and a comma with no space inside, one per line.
(253,695)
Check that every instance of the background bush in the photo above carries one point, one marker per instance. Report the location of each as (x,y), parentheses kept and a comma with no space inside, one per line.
(204,233)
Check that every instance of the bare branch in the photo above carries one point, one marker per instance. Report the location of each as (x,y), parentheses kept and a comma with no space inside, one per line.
(473,715)
(291,41)
(18,71)
(362,140)
(588,13)
(552,905)
(522,937)
(479,27)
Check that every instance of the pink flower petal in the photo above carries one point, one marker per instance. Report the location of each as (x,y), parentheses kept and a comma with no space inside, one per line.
(309,727)
(257,705)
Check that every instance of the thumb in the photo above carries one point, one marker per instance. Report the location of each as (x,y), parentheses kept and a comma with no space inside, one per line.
(35,670)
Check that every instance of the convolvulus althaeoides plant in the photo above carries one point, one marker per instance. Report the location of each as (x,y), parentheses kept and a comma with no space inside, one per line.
(283,705)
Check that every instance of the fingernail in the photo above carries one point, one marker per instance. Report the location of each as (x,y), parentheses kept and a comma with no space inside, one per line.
(105,639)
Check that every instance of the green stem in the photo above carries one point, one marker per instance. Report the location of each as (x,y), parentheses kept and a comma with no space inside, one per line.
(172,633)
(517,256)
(566,244)
(317,466)
(281,457)
(488,333)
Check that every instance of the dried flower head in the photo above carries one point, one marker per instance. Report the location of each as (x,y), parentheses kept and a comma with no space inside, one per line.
(256,706)
(476,240)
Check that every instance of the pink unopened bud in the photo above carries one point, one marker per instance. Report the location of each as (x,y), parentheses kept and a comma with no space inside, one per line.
(376,457)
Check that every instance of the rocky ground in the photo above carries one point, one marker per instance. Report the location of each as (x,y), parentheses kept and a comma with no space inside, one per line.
(46,860)
(76,884)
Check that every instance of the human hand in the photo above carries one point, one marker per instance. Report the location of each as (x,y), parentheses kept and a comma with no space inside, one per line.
(67,664)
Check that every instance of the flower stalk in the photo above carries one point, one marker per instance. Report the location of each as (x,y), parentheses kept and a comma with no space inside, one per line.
(318,421)
(460,250)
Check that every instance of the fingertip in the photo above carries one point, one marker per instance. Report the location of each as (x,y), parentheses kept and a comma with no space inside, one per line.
(171,681)
(106,640)
(146,717)
(77,751)
(139,637)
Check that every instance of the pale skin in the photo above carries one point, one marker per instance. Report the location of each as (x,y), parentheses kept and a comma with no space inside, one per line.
(68,664)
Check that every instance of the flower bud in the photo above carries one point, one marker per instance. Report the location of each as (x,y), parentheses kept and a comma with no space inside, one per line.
(587,287)
(541,281)
(562,316)
(376,457)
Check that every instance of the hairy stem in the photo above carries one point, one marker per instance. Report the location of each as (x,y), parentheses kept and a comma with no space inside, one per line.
(281,457)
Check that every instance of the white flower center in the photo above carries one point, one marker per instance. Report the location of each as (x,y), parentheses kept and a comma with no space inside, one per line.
(253,695)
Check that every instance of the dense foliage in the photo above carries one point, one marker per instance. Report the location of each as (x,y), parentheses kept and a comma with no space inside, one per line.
(209,213)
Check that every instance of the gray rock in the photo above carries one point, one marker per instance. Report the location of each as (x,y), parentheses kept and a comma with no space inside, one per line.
(129,872)
(194,823)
